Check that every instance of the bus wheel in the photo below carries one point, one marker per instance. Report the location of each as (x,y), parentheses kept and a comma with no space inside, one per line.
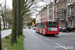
(42,32)
(36,31)
(53,35)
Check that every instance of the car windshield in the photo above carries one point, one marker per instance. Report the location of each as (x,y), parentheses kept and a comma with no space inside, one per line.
(64,27)
(52,24)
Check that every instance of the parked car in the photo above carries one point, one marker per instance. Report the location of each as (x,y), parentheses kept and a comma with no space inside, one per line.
(29,27)
(67,29)
(60,29)
(24,27)
(73,28)
(33,27)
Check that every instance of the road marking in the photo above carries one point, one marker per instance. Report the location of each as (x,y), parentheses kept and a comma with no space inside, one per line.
(47,39)
(61,46)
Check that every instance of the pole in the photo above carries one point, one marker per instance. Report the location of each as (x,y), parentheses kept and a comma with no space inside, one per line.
(0,36)
(18,18)
(0,30)
(54,10)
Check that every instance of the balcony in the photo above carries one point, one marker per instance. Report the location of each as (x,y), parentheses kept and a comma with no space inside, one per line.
(71,14)
(63,0)
(71,3)
(61,18)
(63,9)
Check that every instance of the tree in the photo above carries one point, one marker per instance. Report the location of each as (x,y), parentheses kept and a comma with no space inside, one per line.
(24,8)
(9,17)
(30,23)
(14,22)
(3,11)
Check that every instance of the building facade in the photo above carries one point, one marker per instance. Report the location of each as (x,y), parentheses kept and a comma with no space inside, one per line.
(37,18)
(63,13)
(71,13)
(51,11)
(58,7)
(60,10)
(43,14)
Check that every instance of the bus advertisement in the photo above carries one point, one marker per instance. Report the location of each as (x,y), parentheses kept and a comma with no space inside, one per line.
(48,27)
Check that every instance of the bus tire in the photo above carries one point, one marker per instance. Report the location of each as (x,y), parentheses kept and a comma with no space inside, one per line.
(36,31)
(42,32)
(53,35)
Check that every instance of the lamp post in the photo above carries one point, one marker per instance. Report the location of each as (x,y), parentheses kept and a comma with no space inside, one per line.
(0,35)
(0,29)
(54,10)
(18,18)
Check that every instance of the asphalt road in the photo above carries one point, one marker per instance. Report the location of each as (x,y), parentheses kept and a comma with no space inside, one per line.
(35,41)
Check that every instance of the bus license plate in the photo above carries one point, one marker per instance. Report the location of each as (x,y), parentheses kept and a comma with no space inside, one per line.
(53,29)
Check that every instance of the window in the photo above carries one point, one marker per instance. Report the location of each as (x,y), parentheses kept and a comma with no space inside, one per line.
(74,9)
(52,24)
(42,25)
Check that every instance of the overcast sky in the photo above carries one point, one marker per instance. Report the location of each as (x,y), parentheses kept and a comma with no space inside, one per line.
(9,3)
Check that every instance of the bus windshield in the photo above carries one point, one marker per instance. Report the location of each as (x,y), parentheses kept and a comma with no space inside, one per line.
(52,24)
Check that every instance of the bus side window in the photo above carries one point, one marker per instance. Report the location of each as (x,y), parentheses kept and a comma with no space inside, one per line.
(43,25)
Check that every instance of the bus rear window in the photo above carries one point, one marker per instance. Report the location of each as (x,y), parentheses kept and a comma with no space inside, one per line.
(52,24)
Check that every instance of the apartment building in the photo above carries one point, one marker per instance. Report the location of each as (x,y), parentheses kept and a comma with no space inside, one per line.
(63,13)
(43,14)
(58,7)
(37,18)
(71,12)
(51,11)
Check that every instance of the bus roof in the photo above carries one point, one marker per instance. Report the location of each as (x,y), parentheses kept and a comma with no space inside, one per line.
(46,21)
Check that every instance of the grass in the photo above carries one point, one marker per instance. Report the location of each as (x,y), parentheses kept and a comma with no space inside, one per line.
(6,44)
(5,29)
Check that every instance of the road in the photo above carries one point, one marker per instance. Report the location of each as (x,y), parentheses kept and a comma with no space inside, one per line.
(5,33)
(35,41)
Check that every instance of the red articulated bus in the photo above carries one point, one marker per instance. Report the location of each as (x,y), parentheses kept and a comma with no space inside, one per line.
(48,27)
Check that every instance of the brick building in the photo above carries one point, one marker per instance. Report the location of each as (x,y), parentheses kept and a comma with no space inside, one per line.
(51,11)
(71,12)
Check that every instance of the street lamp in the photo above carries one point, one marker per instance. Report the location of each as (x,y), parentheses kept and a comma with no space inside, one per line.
(0,35)
(18,17)
(0,29)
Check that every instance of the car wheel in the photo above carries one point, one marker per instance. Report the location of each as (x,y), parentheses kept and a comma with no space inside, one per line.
(74,30)
(67,30)
(36,31)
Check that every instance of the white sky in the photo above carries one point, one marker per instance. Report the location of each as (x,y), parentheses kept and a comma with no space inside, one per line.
(9,3)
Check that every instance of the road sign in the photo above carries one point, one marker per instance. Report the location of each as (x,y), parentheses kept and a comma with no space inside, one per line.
(32,23)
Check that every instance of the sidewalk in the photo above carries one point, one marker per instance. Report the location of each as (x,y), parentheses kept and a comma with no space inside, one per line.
(5,33)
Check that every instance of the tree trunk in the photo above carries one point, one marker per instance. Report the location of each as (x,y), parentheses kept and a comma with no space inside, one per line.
(3,22)
(14,23)
(21,16)
(20,6)
(6,24)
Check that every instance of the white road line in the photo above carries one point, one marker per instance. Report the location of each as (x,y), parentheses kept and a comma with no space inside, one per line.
(61,46)
(47,39)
